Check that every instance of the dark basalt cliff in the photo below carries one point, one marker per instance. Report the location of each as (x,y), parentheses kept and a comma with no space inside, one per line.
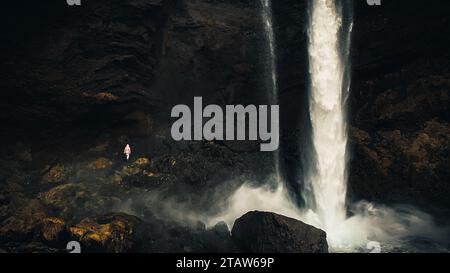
(399,103)
(78,83)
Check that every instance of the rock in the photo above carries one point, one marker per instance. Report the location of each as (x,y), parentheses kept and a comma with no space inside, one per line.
(396,156)
(66,198)
(219,239)
(110,233)
(56,174)
(130,170)
(11,190)
(400,102)
(221,228)
(73,201)
(33,247)
(126,174)
(23,224)
(193,166)
(142,161)
(100,148)
(120,67)
(265,232)
(100,163)
(25,156)
(53,231)
(102,97)
(159,235)
(140,174)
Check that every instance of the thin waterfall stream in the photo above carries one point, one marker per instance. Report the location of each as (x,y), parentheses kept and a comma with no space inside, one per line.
(271,63)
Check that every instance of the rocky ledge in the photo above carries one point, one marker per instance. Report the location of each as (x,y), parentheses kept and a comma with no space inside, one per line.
(255,232)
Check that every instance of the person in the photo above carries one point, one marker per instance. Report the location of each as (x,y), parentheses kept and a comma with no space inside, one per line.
(127,151)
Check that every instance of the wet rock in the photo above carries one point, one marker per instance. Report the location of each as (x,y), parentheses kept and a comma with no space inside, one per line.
(167,236)
(142,161)
(53,231)
(24,223)
(130,170)
(100,148)
(400,98)
(66,198)
(56,174)
(126,174)
(141,174)
(8,168)
(100,163)
(389,158)
(267,232)
(12,188)
(25,156)
(110,233)
(72,201)
(102,97)
(194,166)
(149,180)
(219,239)
(32,247)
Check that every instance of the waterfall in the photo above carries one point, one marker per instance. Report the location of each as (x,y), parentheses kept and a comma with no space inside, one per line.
(271,67)
(270,40)
(327,175)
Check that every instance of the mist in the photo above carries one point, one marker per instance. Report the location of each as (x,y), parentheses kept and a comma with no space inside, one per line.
(398,228)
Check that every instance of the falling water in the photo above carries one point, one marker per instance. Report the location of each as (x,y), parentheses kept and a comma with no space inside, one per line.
(267,18)
(270,38)
(326,207)
(327,176)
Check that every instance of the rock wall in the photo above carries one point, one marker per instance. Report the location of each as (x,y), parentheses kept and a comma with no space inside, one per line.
(399,103)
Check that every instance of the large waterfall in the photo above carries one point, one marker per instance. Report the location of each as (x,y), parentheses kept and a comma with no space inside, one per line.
(327,177)
(325,183)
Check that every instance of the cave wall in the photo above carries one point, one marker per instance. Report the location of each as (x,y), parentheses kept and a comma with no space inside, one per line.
(399,103)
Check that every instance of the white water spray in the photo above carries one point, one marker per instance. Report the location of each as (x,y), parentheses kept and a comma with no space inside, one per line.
(329,130)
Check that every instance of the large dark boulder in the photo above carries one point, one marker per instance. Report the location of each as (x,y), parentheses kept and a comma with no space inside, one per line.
(269,232)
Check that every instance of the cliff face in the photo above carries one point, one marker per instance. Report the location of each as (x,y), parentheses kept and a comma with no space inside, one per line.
(101,62)
(79,83)
(68,64)
(108,73)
